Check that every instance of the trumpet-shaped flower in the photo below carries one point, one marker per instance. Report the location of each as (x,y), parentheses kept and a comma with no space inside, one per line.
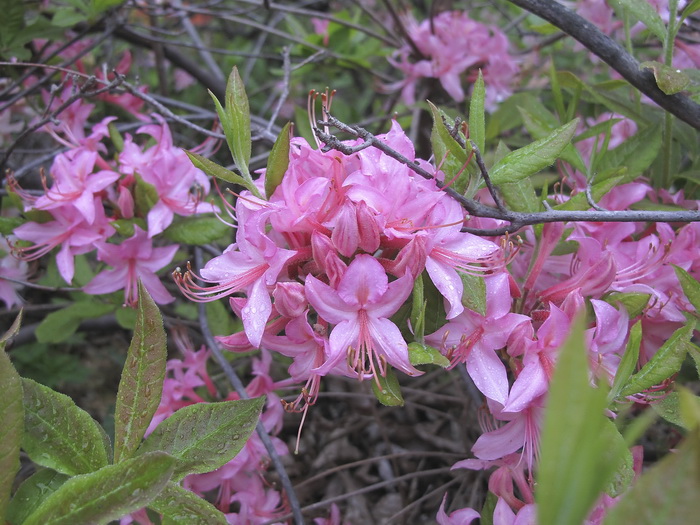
(133,259)
(360,309)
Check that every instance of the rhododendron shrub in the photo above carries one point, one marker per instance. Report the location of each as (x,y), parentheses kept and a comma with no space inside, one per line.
(537,246)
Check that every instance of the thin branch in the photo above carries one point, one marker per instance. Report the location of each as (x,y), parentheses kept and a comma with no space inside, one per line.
(83,92)
(238,386)
(614,55)
(487,179)
(286,79)
(364,490)
(201,48)
(516,220)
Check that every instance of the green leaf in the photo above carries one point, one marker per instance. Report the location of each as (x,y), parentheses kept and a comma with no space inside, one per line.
(389,391)
(451,157)
(628,362)
(145,196)
(477,118)
(540,122)
(219,318)
(61,324)
(67,17)
(181,507)
(420,354)
(12,20)
(239,119)
(520,196)
(204,436)
(32,492)
(435,316)
(598,190)
(691,287)
(623,475)
(141,384)
(669,79)
(278,162)
(474,292)
(11,429)
(8,224)
(689,10)
(666,493)
(99,6)
(108,494)
(668,408)
(418,309)
(666,361)
(534,157)
(689,408)
(634,303)
(580,451)
(58,434)
(643,11)
(636,153)
(197,230)
(114,134)
(212,169)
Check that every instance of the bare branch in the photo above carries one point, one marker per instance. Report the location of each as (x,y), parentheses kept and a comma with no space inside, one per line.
(238,386)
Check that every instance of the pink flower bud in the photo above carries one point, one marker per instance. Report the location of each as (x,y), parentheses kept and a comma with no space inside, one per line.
(345,235)
(368,228)
(290,299)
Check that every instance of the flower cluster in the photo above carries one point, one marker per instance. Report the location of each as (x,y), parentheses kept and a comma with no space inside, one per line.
(332,256)
(91,197)
(451,44)
(607,262)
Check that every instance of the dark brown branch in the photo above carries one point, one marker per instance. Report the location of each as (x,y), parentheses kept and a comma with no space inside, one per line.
(207,79)
(614,55)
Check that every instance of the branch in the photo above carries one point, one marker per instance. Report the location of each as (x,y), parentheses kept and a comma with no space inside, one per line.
(614,55)
(516,220)
(238,386)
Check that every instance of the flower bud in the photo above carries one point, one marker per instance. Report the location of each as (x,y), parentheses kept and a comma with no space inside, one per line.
(290,299)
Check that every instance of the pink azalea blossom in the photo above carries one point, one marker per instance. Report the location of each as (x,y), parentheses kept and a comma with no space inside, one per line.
(450,44)
(360,309)
(458,517)
(75,184)
(12,268)
(474,338)
(70,231)
(133,259)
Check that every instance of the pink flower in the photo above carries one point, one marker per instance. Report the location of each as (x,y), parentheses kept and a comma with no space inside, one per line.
(450,44)
(12,268)
(70,231)
(360,309)
(172,174)
(474,338)
(75,184)
(133,259)
(458,517)
(252,265)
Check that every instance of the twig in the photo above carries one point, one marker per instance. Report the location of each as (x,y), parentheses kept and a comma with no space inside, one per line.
(589,196)
(201,48)
(614,55)
(287,69)
(83,92)
(517,220)
(238,386)
(487,180)
(364,490)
